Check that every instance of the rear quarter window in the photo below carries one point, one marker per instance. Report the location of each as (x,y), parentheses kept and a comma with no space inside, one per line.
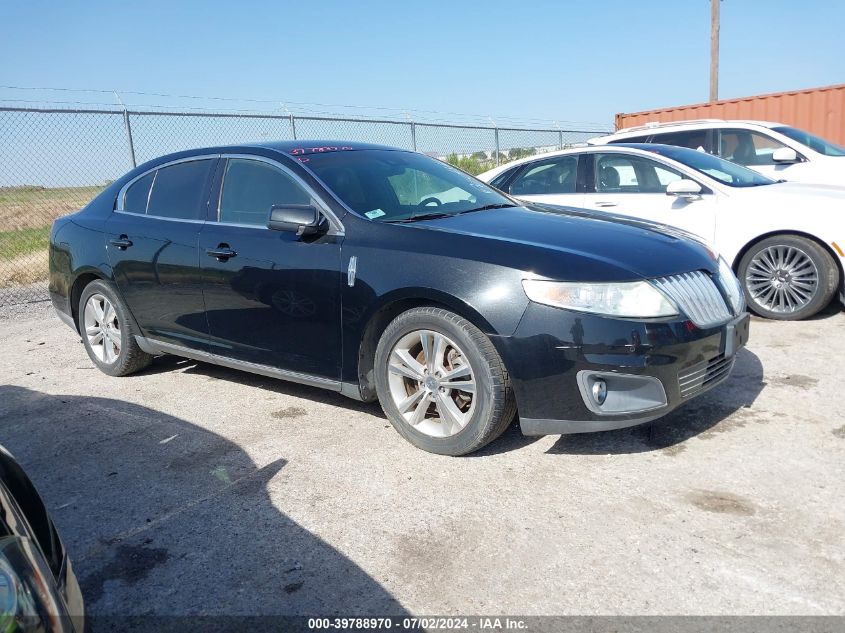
(136,197)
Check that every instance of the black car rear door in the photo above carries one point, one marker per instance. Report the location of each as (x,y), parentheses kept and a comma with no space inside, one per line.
(152,244)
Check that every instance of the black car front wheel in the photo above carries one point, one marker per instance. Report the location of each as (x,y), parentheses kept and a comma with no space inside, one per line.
(788,277)
(107,331)
(442,383)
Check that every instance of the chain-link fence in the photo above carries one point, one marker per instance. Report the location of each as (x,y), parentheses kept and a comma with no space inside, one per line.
(53,161)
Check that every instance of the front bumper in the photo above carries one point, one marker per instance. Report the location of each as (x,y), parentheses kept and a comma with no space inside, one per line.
(554,354)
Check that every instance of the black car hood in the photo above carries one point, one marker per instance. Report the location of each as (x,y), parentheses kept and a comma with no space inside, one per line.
(617,245)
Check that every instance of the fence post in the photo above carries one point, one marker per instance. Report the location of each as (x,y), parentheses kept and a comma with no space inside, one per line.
(293,126)
(129,136)
(496,131)
(414,135)
(560,139)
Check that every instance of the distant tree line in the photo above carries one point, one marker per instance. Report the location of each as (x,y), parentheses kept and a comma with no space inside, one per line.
(480,162)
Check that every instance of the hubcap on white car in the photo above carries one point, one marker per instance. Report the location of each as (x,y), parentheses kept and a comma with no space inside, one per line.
(102,328)
(782,279)
(431,383)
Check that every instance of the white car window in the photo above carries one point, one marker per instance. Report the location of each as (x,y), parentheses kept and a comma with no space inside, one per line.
(694,139)
(665,176)
(748,148)
(553,176)
(812,141)
(620,173)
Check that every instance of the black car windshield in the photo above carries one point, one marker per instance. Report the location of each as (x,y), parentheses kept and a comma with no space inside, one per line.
(811,140)
(397,186)
(724,171)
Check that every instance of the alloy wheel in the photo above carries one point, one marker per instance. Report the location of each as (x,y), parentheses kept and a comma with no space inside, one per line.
(782,279)
(102,328)
(431,383)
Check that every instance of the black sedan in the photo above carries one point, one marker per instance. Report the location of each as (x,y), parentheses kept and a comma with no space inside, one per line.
(382,273)
(38,590)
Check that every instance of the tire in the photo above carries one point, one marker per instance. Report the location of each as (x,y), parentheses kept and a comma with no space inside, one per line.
(788,277)
(462,357)
(101,343)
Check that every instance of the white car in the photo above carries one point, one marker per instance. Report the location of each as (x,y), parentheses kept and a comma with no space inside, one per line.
(784,240)
(775,150)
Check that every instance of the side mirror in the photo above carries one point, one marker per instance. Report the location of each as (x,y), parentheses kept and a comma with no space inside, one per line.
(302,219)
(683,189)
(785,155)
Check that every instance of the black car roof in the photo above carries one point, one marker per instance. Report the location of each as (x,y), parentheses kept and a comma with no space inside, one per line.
(298,148)
(293,149)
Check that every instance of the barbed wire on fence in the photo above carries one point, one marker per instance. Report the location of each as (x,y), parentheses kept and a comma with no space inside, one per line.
(303,108)
(53,160)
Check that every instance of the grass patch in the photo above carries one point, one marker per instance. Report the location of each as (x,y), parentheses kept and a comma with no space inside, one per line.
(14,244)
(23,256)
(28,207)
(26,214)
(24,269)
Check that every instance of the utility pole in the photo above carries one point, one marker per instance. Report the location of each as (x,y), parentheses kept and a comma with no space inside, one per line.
(714,50)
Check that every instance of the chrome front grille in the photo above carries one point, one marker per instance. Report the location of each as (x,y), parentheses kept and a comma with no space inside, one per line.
(697,296)
(701,376)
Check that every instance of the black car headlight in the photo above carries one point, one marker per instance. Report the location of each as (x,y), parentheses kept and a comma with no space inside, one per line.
(634,299)
(29,600)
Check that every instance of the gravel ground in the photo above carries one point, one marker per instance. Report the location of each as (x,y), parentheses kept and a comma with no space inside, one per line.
(195,489)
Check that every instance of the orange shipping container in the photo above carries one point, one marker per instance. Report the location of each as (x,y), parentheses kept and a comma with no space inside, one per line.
(817,110)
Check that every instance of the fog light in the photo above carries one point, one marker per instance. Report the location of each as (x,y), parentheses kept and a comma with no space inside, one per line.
(599,391)
(609,393)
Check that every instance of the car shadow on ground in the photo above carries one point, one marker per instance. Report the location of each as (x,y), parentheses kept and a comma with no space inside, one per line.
(701,415)
(725,405)
(512,439)
(165,518)
(833,309)
(166,364)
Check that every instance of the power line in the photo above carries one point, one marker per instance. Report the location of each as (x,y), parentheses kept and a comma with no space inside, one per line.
(306,104)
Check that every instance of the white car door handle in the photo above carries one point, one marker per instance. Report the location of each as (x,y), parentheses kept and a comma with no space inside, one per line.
(605,203)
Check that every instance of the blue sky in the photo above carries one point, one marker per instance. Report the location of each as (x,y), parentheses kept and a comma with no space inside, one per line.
(551,60)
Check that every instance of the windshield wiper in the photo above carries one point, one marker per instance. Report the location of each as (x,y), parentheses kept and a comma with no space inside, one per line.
(424,216)
(439,214)
(487,207)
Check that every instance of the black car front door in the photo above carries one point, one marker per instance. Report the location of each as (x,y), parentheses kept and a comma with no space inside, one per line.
(274,300)
(152,245)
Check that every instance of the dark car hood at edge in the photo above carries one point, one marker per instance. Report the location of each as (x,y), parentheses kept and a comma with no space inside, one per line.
(642,248)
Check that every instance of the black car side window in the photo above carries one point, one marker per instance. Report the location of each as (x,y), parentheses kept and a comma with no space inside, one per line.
(136,197)
(179,191)
(251,187)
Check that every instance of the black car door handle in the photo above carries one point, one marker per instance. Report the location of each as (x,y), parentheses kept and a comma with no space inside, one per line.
(121,242)
(221,253)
